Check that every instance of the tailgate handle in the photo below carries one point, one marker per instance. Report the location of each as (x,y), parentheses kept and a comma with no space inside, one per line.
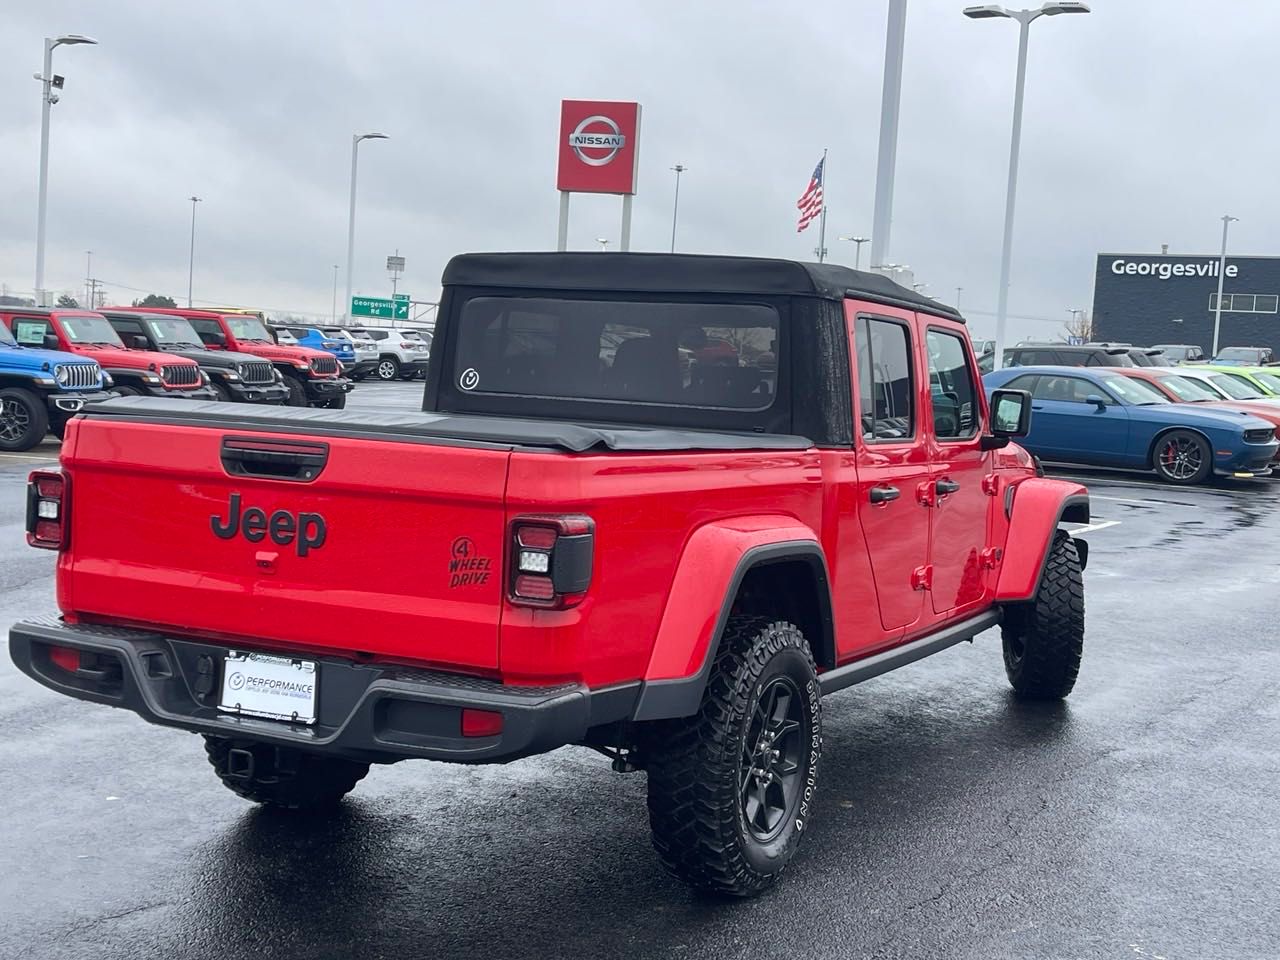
(297,460)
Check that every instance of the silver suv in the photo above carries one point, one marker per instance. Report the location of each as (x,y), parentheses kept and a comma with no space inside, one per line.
(402,352)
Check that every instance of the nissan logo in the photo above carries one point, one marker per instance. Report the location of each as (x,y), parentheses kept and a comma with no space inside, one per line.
(609,141)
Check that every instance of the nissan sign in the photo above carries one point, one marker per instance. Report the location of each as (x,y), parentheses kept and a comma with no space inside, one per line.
(598,146)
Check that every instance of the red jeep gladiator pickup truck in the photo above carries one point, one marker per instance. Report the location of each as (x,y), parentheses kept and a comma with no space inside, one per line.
(313,377)
(654,504)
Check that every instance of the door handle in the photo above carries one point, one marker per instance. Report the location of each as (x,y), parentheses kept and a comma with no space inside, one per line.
(884,494)
(1037,406)
(945,486)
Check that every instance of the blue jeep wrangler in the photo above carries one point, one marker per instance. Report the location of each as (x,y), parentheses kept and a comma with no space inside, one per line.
(40,390)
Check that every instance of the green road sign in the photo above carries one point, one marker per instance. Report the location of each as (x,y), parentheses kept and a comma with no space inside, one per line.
(397,309)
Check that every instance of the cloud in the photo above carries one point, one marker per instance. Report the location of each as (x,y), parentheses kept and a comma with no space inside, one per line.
(1141,127)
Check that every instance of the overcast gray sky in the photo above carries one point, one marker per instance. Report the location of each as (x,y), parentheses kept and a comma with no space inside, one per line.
(1145,121)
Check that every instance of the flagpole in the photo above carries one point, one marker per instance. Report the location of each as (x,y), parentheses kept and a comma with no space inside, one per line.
(822,226)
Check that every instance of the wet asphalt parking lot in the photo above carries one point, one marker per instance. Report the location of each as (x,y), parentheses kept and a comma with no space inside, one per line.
(1138,819)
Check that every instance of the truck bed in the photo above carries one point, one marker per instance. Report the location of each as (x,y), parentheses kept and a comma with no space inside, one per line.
(435,428)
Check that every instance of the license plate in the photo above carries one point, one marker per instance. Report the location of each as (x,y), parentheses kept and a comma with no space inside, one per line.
(259,685)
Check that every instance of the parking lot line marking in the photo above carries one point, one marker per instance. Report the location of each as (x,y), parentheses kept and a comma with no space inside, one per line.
(1100,525)
(25,456)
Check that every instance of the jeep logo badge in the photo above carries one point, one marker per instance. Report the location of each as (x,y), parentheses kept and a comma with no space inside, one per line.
(306,530)
(609,140)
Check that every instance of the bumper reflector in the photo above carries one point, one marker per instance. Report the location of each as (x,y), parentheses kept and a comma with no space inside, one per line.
(481,723)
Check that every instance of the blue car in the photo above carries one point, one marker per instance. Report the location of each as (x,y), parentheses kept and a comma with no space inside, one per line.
(40,390)
(1101,418)
(314,338)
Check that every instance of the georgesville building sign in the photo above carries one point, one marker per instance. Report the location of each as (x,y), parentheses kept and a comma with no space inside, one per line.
(1144,299)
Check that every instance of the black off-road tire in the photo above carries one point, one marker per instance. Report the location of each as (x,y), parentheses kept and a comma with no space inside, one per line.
(297,392)
(127,391)
(699,767)
(284,777)
(224,395)
(1044,640)
(24,419)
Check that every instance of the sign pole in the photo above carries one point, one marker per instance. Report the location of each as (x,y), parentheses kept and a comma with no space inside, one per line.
(562,234)
(625,244)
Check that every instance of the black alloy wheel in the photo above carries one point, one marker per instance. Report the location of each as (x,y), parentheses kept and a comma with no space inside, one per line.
(772,754)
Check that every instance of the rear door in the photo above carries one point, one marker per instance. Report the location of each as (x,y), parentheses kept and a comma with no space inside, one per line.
(892,461)
(390,548)
(959,464)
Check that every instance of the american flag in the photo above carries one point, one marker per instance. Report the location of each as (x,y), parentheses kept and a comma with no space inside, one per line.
(811,203)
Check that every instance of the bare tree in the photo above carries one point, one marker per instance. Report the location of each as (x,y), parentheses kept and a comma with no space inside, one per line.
(1080,325)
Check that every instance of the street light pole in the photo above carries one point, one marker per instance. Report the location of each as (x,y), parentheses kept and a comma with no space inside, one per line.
(679,168)
(958,289)
(857,251)
(1222,269)
(604,243)
(351,214)
(1024,19)
(334,310)
(191,261)
(47,99)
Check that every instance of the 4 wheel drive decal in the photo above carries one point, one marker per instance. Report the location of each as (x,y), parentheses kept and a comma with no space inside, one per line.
(466,567)
(307,530)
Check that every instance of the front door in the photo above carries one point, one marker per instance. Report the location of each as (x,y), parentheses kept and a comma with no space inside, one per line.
(1079,429)
(961,504)
(892,463)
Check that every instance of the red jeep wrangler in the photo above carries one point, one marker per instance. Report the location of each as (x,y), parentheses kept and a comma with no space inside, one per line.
(589,536)
(314,378)
(90,334)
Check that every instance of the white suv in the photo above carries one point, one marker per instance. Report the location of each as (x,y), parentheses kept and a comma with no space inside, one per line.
(401,352)
(366,350)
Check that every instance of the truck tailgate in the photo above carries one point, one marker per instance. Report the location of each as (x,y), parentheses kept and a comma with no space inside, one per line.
(389,548)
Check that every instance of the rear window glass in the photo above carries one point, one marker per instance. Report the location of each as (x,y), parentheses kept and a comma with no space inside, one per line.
(691,354)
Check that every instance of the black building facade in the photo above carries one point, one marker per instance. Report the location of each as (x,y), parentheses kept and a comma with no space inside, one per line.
(1144,298)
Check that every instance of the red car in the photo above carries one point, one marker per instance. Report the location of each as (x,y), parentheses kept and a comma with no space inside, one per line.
(568,550)
(1189,386)
(314,377)
(89,334)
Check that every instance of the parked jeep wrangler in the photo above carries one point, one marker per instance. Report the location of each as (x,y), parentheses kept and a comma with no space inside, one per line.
(657,505)
(234,377)
(40,390)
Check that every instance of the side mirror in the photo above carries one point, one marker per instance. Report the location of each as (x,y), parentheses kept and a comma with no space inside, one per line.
(1010,417)
(50,342)
(137,342)
(1096,400)
(213,340)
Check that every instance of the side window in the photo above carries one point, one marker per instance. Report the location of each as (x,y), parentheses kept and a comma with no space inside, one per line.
(885,381)
(1027,383)
(952,393)
(128,327)
(378,334)
(30,331)
(1065,389)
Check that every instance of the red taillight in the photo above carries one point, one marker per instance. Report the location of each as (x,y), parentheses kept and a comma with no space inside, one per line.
(551,560)
(47,510)
(481,723)
(65,657)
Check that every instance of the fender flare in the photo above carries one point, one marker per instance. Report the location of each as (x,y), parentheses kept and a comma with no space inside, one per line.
(128,373)
(1036,507)
(714,562)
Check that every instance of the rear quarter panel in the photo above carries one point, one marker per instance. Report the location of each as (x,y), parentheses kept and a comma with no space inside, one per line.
(647,508)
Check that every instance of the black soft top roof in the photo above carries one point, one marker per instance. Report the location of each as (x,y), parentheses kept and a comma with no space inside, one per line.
(683,273)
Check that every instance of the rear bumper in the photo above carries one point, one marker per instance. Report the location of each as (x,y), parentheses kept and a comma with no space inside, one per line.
(326,388)
(368,712)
